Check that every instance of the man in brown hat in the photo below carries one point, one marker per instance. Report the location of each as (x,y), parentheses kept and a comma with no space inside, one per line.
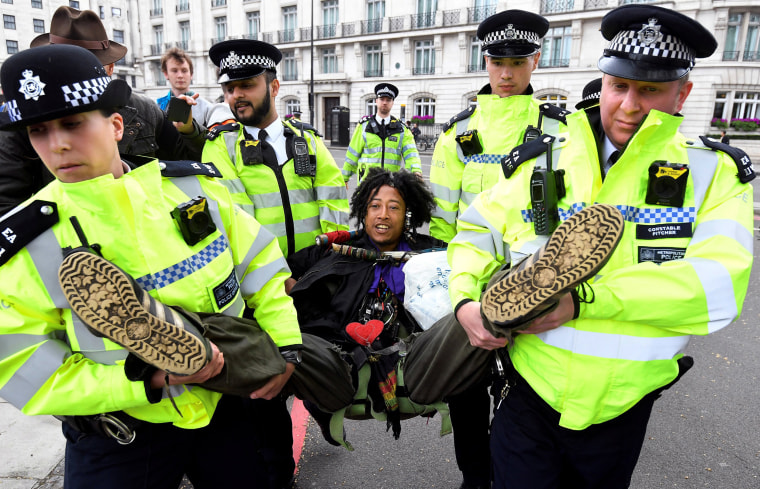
(147,132)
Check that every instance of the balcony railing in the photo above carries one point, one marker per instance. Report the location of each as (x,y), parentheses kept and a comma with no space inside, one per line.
(479,14)
(427,70)
(216,40)
(267,37)
(182,7)
(218,3)
(730,55)
(553,63)
(556,6)
(476,68)
(326,31)
(288,35)
(421,21)
(156,49)
(451,17)
(372,72)
(396,24)
(348,29)
(289,76)
(594,4)
(183,45)
(372,26)
(751,56)
(156,12)
(253,35)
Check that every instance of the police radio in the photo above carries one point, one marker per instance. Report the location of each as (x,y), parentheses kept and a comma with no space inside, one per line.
(546,188)
(303,164)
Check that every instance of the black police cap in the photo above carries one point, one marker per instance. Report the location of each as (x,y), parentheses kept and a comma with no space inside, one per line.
(512,34)
(386,90)
(54,81)
(239,59)
(650,43)
(592,92)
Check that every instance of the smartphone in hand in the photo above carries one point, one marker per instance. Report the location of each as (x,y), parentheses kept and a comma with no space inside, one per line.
(178,110)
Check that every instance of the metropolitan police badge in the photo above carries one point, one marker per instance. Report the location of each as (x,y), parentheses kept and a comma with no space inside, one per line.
(650,33)
(31,86)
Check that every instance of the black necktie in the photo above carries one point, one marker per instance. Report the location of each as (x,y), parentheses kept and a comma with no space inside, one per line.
(267,151)
(611,160)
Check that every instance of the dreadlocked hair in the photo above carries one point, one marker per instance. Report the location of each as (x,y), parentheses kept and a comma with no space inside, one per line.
(417,196)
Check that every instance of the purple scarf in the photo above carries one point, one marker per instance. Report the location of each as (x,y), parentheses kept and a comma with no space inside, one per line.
(392,275)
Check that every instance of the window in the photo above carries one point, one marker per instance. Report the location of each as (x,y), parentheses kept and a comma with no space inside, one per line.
(424,107)
(329,61)
(555,6)
(184,34)
(158,76)
(158,40)
(35,3)
(289,70)
(292,106)
(371,107)
(481,11)
(253,24)
(9,21)
(555,98)
(10,2)
(115,12)
(555,50)
(740,104)
(220,27)
(102,11)
(11,47)
(329,18)
(742,27)
(731,52)
(289,22)
(183,6)
(375,14)
(425,13)
(374,60)
(39,25)
(157,9)
(218,3)
(751,44)
(118,36)
(74,4)
(424,58)
(477,60)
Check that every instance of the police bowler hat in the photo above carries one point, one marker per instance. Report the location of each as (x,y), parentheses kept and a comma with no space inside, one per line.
(592,92)
(512,34)
(650,43)
(239,59)
(50,82)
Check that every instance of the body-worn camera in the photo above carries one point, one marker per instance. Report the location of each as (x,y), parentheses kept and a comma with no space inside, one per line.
(302,162)
(667,183)
(194,220)
(470,143)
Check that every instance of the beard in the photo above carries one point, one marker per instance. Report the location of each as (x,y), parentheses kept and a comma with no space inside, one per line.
(260,113)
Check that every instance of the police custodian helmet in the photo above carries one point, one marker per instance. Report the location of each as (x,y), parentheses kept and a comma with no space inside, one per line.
(239,59)
(512,34)
(50,82)
(649,43)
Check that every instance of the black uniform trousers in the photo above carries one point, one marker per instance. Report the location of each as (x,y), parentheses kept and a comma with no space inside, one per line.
(531,451)
(222,454)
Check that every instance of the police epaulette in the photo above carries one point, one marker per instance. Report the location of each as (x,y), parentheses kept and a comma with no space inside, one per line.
(524,152)
(365,119)
(459,117)
(743,164)
(553,112)
(19,229)
(186,168)
(215,131)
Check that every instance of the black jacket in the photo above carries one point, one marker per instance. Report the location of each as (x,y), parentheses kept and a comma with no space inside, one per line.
(147,132)
(331,288)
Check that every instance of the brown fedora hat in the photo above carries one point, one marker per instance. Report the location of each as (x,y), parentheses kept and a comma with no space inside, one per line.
(81,28)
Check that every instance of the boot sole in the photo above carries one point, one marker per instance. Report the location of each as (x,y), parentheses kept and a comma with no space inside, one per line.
(575,252)
(104,298)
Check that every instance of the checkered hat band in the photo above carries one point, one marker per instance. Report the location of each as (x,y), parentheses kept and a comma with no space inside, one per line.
(593,96)
(85,92)
(667,48)
(13,111)
(244,60)
(498,37)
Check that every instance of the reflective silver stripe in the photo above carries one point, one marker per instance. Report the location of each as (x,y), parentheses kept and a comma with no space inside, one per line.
(485,242)
(550,126)
(255,280)
(353,153)
(331,193)
(448,216)
(234,185)
(702,166)
(274,199)
(236,308)
(719,292)
(468,197)
(307,225)
(724,227)
(445,193)
(89,344)
(175,390)
(108,357)
(333,216)
(38,368)
(614,346)
(262,240)
(230,140)
(528,248)
(14,343)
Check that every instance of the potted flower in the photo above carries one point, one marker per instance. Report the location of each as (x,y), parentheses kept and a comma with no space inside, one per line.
(745,124)
(719,123)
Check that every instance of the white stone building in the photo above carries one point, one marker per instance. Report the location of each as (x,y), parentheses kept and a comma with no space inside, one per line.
(427,48)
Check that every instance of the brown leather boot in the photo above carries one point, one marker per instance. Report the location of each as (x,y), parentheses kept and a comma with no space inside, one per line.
(574,253)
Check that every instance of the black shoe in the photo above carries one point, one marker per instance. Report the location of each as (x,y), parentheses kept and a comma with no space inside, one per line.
(113,306)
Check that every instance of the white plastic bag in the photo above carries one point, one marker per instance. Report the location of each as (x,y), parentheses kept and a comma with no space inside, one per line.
(426,287)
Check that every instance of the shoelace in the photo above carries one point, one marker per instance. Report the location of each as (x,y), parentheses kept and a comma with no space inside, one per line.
(583,294)
(171,397)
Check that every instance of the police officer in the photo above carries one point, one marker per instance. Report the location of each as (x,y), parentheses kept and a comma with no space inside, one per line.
(591,94)
(286,170)
(587,373)
(381,140)
(467,157)
(126,427)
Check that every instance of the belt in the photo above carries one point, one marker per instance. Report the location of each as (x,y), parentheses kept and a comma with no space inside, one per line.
(117,425)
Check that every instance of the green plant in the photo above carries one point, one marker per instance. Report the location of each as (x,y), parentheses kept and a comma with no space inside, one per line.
(744,124)
(719,123)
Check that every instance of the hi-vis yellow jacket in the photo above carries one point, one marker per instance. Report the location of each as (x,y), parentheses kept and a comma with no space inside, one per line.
(371,145)
(455,178)
(293,207)
(678,271)
(49,361)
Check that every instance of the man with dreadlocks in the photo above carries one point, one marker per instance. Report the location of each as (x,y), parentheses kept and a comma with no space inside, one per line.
(352,296)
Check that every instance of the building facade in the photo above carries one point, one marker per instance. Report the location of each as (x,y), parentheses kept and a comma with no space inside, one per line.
(340,49)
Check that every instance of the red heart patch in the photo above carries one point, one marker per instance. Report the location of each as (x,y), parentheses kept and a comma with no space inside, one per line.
(365,334)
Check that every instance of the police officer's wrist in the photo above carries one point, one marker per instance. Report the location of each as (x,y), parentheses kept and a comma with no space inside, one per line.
(291,356)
